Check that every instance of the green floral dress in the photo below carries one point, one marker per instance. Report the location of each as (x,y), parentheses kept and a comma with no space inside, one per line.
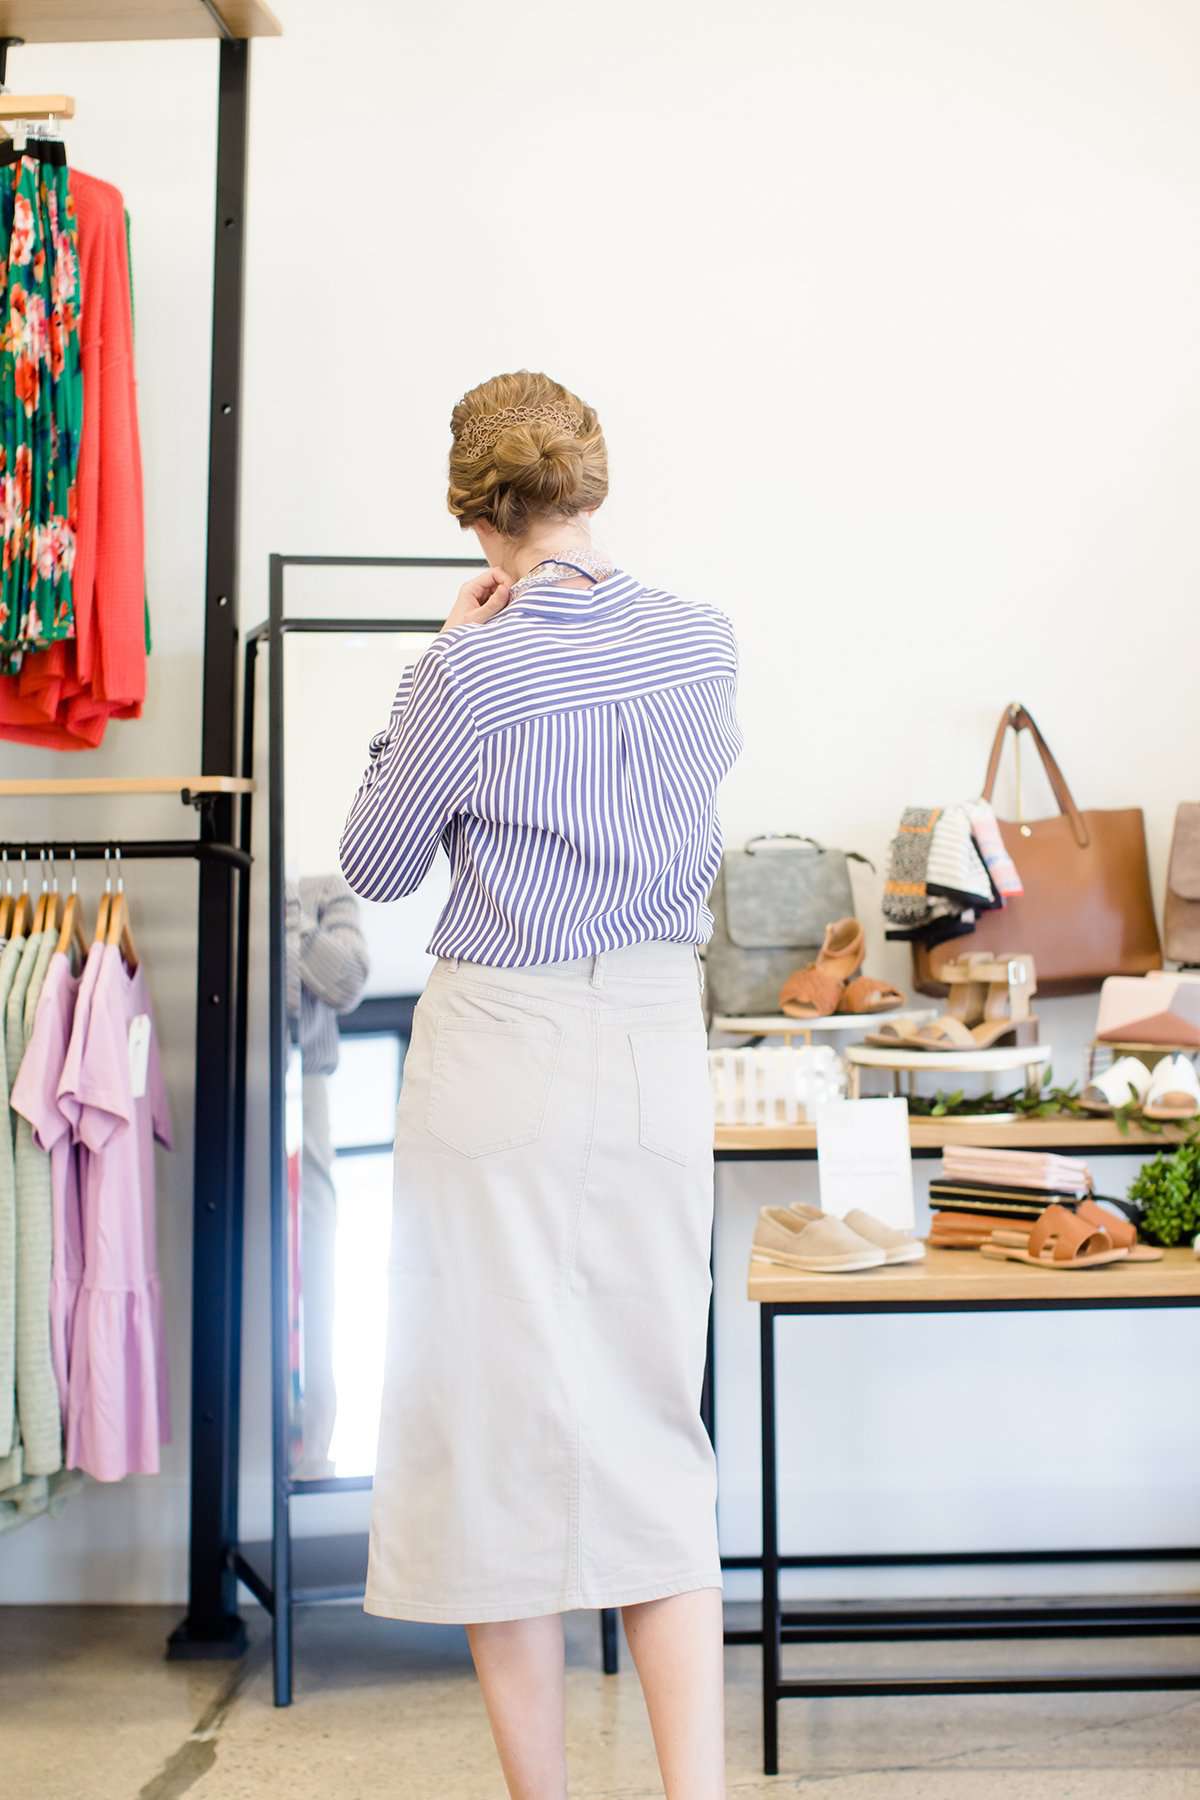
(41,406)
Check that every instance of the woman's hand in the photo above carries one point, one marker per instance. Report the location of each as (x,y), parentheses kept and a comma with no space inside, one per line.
(479,599)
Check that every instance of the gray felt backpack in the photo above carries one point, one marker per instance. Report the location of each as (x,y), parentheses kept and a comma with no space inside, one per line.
(771,903)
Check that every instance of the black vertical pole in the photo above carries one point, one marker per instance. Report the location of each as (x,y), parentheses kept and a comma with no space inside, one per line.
(281,1519)
(770,1546)
(212,1626)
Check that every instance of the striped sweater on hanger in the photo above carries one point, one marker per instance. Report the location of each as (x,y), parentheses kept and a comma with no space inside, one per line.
(567,755)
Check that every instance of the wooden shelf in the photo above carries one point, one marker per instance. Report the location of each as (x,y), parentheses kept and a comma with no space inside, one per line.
(1067,1133)
(958,1276)
(124,784)
(95,21)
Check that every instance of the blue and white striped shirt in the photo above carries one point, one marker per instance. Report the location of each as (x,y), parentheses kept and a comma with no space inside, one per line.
(567,755)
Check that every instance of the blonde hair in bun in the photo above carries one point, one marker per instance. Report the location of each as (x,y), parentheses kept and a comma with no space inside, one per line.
(525,448)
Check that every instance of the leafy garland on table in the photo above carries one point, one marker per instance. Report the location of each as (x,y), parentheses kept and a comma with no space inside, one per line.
(1044,1102)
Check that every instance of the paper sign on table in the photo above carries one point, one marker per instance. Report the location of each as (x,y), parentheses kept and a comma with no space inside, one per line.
(864,1159)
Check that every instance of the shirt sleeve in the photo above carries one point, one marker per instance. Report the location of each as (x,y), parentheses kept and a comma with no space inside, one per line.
(420,773)
(332,951)
(102,1090)
(35,1092)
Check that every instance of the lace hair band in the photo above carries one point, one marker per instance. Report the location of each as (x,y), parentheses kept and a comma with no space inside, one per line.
(482,432)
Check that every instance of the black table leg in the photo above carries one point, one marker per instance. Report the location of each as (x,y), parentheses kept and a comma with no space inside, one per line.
(608,1639)
(771,1623)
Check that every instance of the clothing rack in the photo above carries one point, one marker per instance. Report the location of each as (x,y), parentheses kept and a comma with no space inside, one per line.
(127,850)
(280,1572)
(212,1627)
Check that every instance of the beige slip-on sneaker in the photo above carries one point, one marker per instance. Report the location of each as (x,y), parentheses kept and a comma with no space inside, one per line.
(897,1246)
(821,1246)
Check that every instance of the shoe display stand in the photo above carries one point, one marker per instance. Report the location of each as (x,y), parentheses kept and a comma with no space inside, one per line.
(954,1282)
(1032,1059)
(782,1025)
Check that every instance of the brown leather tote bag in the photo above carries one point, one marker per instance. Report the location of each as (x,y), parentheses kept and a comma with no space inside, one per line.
(1087,910)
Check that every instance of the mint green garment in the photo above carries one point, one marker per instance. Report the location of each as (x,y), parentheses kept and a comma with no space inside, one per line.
(10,1454)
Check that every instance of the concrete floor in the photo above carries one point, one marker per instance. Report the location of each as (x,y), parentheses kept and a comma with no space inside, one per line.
(89,1710)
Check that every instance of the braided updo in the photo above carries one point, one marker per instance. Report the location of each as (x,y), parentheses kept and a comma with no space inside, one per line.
(525,448)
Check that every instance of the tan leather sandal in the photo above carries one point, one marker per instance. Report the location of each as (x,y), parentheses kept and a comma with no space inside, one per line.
(815,991)
(1060,1239)
(811,993)
(1123,1232)
(867,995)
(1011,981)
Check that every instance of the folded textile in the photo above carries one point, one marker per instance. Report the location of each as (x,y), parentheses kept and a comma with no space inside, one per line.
(985,828)
(1017,1168)
(954,868)
(905,900)
(937,879)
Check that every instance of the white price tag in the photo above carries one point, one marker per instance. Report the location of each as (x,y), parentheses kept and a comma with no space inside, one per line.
(139,1053)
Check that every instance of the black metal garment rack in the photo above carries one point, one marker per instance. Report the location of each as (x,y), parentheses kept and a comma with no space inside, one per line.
(212,1626)
(280,1573)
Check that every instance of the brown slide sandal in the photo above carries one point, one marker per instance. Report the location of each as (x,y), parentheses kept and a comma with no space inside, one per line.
(1059,1240)
(1123,1232)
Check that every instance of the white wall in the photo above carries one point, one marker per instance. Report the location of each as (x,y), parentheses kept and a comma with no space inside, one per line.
(889,313)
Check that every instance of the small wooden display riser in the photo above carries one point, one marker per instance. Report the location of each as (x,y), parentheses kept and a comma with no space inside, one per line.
(787,1028)
(1033,1059)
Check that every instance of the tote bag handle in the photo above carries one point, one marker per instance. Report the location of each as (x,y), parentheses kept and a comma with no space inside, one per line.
(1016,718)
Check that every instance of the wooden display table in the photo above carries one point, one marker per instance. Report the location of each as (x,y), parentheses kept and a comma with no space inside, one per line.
(956,1281)
(966,1277)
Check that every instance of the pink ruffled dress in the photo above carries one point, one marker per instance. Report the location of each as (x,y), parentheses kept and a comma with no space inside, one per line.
(118,1404)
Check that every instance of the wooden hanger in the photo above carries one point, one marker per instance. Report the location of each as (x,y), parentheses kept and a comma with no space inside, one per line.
(117,932)
(100,934)
(22,912)
(70,935)
(45,913)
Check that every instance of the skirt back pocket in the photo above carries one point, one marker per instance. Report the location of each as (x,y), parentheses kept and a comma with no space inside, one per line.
(674,1091)
(490,1083)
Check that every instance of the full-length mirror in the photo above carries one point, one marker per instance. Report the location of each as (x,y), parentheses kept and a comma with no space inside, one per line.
(353,972)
